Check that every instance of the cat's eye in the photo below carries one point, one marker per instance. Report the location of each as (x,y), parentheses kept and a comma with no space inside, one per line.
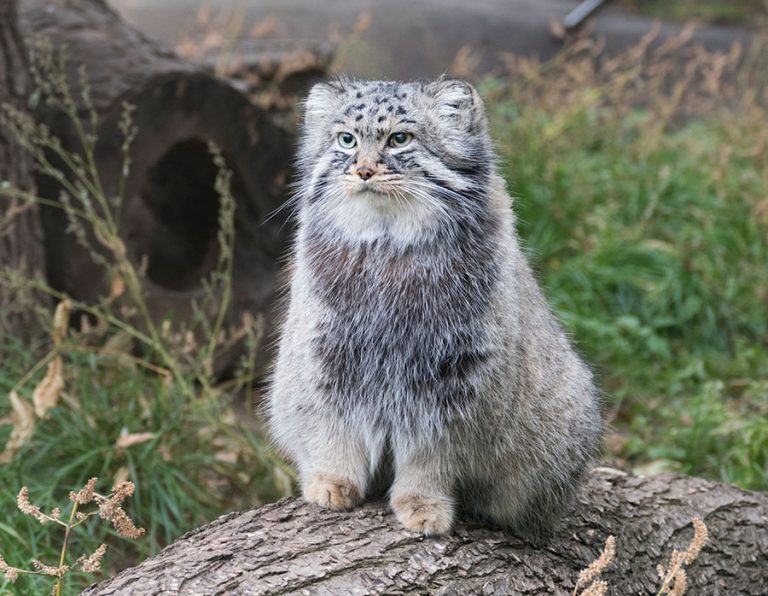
(346,140)
(399,139)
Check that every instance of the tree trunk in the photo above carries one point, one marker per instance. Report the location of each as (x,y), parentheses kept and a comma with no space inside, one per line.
(20,231)
(291,547)
(169,217)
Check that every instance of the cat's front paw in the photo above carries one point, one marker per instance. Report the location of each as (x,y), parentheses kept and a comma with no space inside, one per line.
(332,492)
(428,515)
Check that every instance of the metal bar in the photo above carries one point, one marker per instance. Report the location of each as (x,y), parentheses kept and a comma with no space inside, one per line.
(581,13)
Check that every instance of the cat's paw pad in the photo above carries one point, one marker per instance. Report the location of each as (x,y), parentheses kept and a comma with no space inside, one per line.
(428,515)
(332,492)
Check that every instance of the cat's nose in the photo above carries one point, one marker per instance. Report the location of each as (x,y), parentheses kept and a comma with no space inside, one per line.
(364,172)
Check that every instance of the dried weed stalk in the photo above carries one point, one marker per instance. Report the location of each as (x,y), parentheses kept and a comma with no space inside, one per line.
(664,81)
(217,32)
(109,507)
(591,573)
(673,576)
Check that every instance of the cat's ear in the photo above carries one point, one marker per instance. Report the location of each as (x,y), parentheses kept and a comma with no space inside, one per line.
(321,102)
(457,103)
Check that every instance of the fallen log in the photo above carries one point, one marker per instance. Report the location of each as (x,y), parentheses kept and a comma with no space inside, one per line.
(169,216)
(291,547)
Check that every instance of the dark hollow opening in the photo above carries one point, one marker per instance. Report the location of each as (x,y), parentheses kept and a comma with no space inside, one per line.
(179,236)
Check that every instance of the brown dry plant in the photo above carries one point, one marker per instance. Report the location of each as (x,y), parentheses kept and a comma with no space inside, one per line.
(45,394)
(23,420)
(108,507)
(664,81)
(673,575)
(593,571)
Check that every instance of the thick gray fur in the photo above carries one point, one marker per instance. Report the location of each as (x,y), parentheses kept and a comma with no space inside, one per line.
(418,345)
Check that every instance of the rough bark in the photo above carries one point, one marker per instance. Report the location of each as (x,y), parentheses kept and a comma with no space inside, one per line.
(20,231)
(169,214)
(291,547)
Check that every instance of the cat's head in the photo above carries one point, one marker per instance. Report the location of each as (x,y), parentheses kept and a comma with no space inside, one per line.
(379,154)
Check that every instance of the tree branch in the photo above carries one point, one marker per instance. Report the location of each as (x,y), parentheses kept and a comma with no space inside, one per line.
(293,547)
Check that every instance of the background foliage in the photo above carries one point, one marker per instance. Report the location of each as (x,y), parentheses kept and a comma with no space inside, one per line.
(640,185)
(640,194)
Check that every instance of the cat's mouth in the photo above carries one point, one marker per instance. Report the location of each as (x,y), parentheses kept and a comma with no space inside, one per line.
(380,186)
(367,188)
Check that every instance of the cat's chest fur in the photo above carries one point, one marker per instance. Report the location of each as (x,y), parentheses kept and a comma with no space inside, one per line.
(402,330)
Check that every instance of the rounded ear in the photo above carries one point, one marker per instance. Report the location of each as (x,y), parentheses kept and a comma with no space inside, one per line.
(321,101)
(458,103)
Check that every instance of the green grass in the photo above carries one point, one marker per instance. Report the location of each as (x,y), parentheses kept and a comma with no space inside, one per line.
(195,468)
(653,249)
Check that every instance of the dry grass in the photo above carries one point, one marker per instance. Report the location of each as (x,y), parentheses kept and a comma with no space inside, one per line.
(587,584)
(669,80)
(673,576)
(108,507)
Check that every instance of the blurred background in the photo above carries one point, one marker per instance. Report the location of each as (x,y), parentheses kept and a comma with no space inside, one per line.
(408,40)
(633,135)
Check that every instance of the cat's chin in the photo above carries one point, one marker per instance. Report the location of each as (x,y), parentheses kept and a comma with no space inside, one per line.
(370,216)
(381,201)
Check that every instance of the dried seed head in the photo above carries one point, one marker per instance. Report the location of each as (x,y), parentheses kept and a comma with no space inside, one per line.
(92,564)
(48,570)
(22,501)
(121,522)
(700,538)
(673,576)
(85,494)
(681,583)
(598,588)
(600,564)
(56,513)
(11,573)
(676,560)
(111,509)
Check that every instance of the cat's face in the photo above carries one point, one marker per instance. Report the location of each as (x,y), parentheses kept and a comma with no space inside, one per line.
(381,155)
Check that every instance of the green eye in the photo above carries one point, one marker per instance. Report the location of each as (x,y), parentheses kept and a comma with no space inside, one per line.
(399,139)
(347,140)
